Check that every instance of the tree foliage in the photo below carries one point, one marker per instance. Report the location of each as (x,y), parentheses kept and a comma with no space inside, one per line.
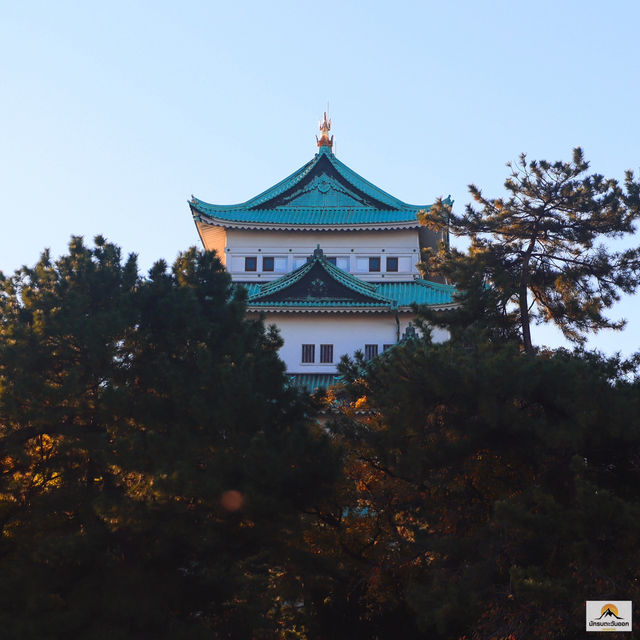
(538,254)
(159,478)
(490,493)
(154,462)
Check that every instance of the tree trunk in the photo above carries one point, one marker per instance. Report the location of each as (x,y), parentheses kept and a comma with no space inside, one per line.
(523,297)
(524,317)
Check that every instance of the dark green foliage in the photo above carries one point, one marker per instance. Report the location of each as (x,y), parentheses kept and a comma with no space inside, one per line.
(159,479)
(491,493)
(129,407)
(537,255)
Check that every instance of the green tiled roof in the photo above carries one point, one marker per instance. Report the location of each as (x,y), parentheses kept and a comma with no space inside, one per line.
(404,293)
(251,287)
(324,192)
(313,381)
(417,292)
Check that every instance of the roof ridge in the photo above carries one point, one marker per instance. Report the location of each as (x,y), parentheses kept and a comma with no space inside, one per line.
(374,191)
(272,191)
(283,282)
(334,269)
(435,285)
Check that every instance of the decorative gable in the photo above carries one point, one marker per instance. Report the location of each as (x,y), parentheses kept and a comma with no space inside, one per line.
(319,283)
(325,188)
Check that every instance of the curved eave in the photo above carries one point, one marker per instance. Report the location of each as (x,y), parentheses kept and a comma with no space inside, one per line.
(350,310)
(313,309)
(432,307)
(271,226)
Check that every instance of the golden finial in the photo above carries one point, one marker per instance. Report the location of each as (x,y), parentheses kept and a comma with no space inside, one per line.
(325,127)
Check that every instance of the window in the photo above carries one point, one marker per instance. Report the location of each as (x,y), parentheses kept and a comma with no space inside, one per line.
(392,264)
(386,346)
(251,263)
(274,264)
(326,353)
(370,351)
(362,264)
(340,261)
(281,265)
(343,263)
(308,353)
(374,264)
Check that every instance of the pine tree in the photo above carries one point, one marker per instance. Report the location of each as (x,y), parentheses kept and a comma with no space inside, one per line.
(155,464)
(537,255)
(490,493)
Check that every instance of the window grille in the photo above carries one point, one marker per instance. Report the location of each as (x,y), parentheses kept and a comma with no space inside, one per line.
(308,353)
(326,353)
(370,351)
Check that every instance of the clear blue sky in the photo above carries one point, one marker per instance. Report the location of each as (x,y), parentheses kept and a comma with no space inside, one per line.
(113,114)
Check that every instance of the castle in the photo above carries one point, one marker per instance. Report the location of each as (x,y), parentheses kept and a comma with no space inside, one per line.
(329,258)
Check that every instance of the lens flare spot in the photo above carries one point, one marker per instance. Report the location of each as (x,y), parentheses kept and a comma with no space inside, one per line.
(232,500)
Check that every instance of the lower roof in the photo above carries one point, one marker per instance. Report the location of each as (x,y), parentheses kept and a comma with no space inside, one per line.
(321,286)
(403,294)
(313,381)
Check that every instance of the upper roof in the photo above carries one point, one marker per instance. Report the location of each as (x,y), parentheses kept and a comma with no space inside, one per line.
(323,194)
(322,286)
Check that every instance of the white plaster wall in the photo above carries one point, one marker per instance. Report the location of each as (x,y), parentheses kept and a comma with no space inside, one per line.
(296,246)
(309,239)
(214,239)
(347,333)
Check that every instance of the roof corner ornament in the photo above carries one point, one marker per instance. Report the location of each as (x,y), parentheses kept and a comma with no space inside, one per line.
(318,252)
(325,140)
(410,333)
